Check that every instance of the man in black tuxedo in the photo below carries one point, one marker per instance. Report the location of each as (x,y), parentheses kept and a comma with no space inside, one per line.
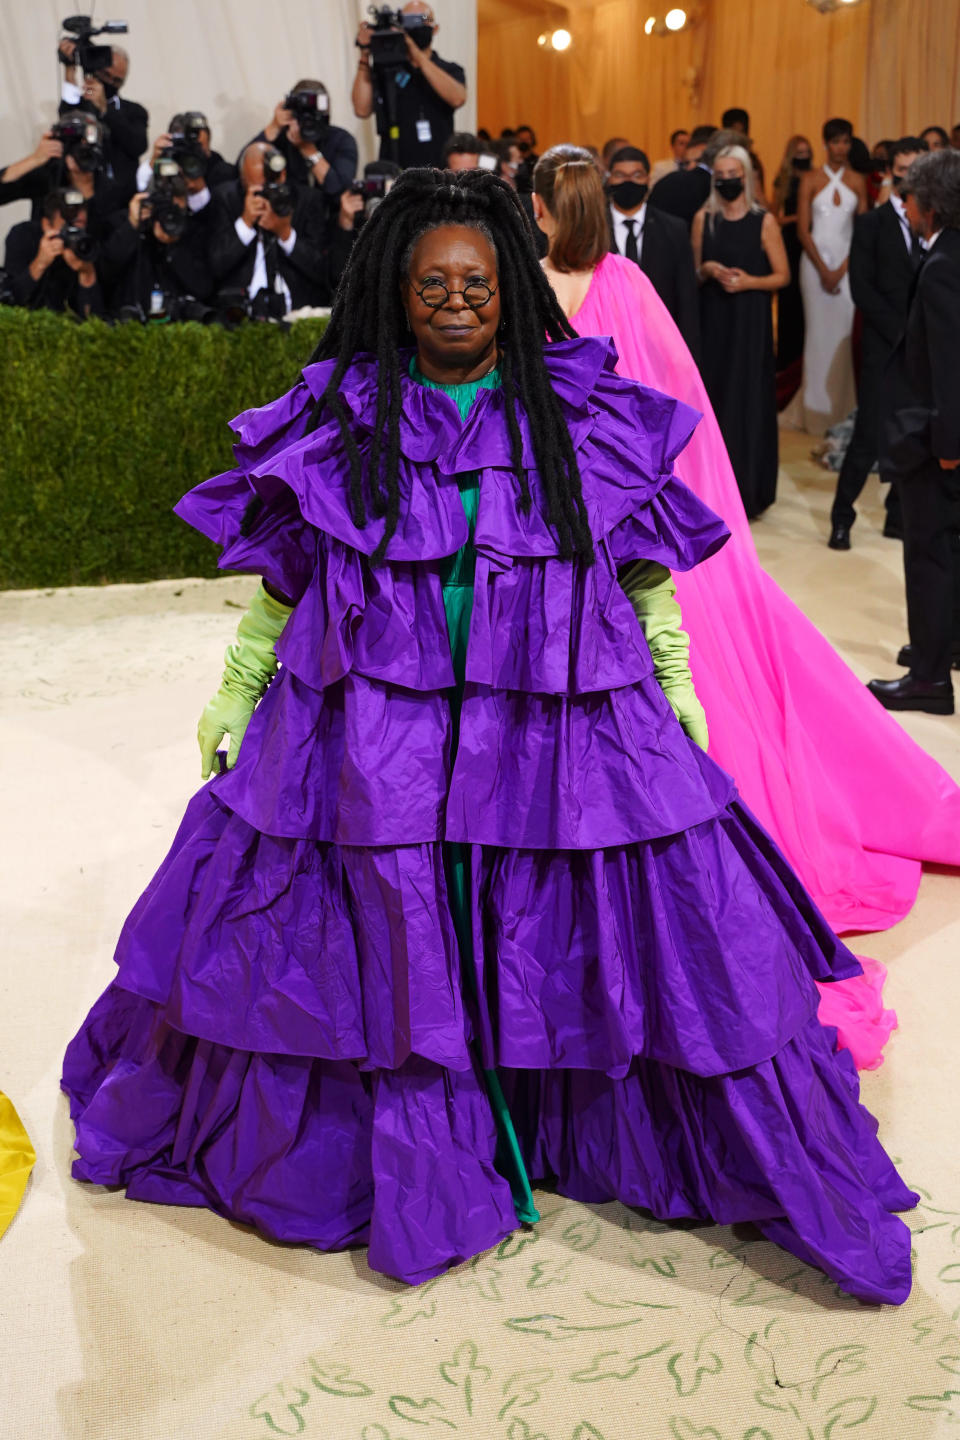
(659,243)
(683,192)
(124,121)
(256,249)
(884,257)
(922,440)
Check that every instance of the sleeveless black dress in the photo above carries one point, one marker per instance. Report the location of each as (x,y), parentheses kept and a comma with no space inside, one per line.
(790,331)
(738,362)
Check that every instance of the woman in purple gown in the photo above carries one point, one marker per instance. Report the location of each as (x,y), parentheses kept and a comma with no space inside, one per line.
(471,906)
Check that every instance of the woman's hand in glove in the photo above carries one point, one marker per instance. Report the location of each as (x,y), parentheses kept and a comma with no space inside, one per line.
(650,589)
(251,664)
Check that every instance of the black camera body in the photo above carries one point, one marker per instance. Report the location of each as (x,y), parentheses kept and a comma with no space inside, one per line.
(79,134)
(160,205)
(279,196)
(89,57)
(372,187)
(311,110)
(388,42)
(186,147)
(83,245)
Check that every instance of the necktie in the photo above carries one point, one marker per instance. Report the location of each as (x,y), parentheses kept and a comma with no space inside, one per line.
(630,250)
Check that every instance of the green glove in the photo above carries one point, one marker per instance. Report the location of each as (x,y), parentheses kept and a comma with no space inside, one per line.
(251,665)
(651,591)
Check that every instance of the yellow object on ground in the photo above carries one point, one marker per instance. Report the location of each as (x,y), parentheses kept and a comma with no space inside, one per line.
(17,1159)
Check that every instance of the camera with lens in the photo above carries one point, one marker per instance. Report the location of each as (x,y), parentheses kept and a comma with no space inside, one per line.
(372,187)
(276,192)
(186,146)
(88,56)
(388,44)
(83,245)
(160,205)
(81,136)
(311,110)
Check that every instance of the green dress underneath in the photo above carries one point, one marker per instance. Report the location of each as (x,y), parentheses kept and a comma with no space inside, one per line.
(457,577)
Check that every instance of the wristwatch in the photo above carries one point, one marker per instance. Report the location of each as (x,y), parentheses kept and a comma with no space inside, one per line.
(312,159)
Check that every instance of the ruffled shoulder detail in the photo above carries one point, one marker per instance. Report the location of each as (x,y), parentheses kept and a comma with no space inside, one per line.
(626,437)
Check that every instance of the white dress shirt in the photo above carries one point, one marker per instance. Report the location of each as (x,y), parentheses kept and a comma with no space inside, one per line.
(258,281)
(899,210)
(620,231)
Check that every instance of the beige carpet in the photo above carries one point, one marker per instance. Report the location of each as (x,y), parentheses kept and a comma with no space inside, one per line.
(121,1321)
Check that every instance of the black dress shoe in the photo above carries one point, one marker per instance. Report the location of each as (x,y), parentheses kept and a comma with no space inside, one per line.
(905,658)
(908,693)
(892,532)
(839,537)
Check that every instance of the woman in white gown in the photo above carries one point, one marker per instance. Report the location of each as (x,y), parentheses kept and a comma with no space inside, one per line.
(830,199)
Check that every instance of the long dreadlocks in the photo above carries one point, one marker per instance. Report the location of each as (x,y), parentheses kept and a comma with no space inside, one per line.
(368,315)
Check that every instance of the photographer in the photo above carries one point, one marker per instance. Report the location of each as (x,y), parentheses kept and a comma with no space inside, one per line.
(268,236)
(407,85)
(52,262)
(357,203)
(316,152)
(70,155)
(125,122)
(154,260)
(187,140)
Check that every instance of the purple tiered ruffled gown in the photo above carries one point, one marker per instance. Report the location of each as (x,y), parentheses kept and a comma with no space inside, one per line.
(290,1040)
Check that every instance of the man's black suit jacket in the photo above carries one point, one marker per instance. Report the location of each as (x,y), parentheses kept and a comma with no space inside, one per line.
(305,269)
(125,123)
(666,258)
(881,278)
(682,193)
(923,378)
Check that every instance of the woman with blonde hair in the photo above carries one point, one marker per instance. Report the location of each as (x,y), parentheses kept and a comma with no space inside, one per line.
(797,160)
(741,261)
(854,802)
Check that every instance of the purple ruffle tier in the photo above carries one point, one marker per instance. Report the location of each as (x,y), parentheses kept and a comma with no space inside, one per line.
(287,1040)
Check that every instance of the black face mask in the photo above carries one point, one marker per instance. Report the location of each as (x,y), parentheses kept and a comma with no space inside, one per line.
(729,189)
(628,194)
(422,36)
(802,162)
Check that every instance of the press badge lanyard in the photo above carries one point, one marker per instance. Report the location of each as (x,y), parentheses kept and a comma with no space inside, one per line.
(424,132)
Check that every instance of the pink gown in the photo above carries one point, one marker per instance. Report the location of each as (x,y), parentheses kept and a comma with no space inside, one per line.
(855,804)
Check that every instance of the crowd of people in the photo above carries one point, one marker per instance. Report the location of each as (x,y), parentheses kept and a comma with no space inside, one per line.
(790,297)
(458,897)
(183,233)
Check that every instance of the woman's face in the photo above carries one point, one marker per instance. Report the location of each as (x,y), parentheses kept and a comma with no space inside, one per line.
(728,168)
(838,149)
(803,151)
(453,335)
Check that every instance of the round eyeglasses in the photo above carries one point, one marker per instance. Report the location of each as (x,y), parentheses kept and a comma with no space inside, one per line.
(435,294)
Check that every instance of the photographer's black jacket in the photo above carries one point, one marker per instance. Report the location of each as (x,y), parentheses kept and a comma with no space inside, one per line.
(125,140)
(134,263)
(416,100)
(58,288)
(305,269)
(339,149)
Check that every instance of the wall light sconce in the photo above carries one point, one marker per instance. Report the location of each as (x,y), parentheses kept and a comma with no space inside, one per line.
(555,40)
(666,24)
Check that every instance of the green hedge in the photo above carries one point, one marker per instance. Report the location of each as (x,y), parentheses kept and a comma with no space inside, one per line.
(105,427)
